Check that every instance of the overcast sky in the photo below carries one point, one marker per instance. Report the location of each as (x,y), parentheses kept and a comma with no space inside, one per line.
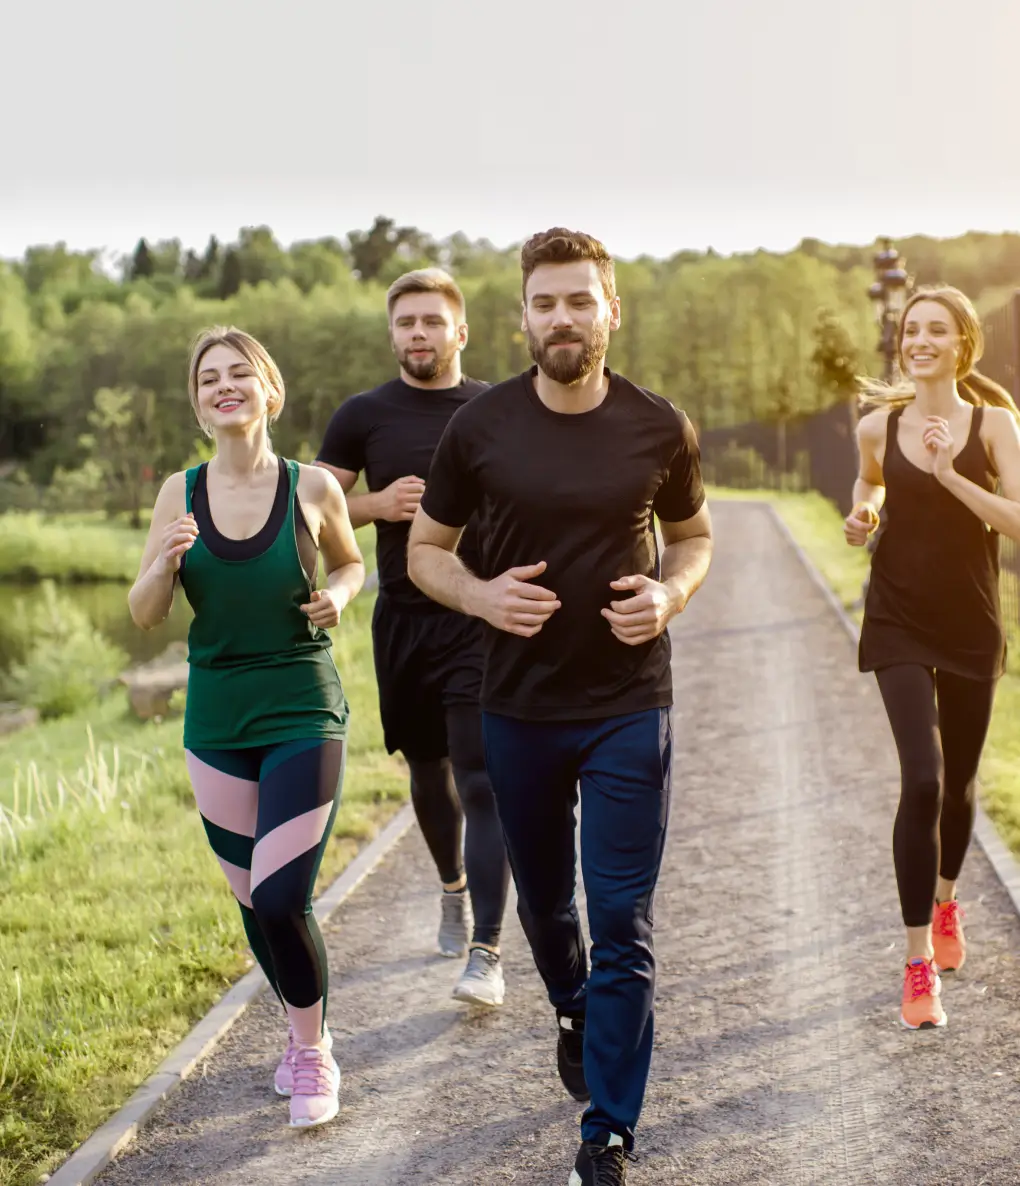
(653,124)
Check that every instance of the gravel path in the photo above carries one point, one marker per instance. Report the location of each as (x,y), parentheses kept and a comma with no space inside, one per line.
(779,1058)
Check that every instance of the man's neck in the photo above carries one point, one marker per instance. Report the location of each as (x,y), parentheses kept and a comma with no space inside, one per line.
(573,398)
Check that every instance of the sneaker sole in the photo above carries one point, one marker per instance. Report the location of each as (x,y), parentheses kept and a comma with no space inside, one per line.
(925,1025)
(470,998)
(575,1179)
(285,1092)
(452,954)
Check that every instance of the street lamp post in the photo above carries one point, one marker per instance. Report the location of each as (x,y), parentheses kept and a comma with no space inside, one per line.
(889,294)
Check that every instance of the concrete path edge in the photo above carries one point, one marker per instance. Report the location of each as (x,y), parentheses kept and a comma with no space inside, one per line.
(96,1153)
(1002,860)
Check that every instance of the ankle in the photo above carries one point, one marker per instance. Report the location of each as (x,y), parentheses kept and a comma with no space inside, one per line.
(455,887)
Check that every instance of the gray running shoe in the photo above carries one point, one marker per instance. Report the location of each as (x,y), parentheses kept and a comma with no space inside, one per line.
(455,925)
(482,980)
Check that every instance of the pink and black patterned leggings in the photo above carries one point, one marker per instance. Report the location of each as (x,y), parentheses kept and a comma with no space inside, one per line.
(268,812)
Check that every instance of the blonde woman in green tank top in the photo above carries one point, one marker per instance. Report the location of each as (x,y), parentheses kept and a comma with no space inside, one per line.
(265,722)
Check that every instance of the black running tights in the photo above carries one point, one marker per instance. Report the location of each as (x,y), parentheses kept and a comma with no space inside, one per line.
(456,811)
(939,722)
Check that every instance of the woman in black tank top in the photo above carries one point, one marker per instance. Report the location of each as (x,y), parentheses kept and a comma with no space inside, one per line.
(942,452)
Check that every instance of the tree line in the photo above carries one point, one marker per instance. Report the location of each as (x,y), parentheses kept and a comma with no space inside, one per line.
(93,400)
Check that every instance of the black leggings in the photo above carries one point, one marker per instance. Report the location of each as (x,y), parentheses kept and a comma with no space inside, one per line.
(939,722)
(456,812)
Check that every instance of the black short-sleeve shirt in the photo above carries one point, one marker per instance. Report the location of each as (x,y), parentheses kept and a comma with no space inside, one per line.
(391,432)
(579,492)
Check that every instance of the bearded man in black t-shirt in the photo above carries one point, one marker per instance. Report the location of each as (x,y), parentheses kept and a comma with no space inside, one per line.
(571,463)
(428,660)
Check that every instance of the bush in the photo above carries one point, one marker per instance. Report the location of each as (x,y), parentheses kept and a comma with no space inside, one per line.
(60,661)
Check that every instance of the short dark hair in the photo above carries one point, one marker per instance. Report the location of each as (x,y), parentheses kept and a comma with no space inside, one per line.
(426,280)
(560,246)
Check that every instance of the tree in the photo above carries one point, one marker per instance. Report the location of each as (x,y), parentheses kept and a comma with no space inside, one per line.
(230,276)
(142,263)
(372,251)
(125,441)
(834,360)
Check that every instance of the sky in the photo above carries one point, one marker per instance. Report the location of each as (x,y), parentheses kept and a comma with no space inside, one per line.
(656,125)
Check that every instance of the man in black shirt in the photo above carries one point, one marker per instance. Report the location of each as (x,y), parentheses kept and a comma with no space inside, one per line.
(428,660)
(571,461)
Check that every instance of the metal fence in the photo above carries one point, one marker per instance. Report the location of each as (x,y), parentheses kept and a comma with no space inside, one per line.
(807,453)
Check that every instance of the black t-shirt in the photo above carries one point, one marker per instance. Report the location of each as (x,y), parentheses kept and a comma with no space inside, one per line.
(578,492)
(391,432)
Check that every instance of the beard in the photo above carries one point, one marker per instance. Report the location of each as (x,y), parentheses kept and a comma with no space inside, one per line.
(570,366)
(431,367)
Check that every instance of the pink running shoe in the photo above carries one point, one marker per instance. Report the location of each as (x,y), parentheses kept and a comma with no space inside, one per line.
(947,936)
(283,1080)
(315,1099)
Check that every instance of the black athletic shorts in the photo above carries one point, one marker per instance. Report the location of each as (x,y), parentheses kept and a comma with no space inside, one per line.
(425,663)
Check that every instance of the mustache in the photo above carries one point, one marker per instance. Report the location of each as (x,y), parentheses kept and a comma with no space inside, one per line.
(562,339)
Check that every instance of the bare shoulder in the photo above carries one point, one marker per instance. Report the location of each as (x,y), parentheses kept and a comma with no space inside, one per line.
(998,421)
(173,494)
(317,486)
(872,426)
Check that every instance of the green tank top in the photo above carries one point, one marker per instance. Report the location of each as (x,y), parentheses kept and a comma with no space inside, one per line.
(260,672)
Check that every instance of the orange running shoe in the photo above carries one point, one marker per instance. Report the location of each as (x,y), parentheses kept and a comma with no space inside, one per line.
(922,1009)
(947,936)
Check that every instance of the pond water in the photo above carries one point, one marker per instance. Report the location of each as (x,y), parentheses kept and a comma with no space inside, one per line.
(106,604)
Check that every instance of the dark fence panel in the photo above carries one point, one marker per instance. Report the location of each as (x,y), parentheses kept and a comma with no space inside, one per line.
(809,453)
(1001,360)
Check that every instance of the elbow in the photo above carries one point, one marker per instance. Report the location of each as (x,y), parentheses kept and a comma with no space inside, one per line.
(414,564)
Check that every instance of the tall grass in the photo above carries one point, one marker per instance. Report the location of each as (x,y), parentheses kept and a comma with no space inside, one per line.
(67,548)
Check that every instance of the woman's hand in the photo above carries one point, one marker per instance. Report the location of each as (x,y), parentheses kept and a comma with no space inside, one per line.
(178,537)
(324,609)
(938,440)
(859,524)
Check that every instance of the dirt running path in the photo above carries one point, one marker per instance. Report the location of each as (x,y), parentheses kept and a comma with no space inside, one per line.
(779,1059)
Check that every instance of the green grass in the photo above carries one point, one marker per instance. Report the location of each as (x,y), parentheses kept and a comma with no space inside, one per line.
(117,930)
(816,524)
(34,547)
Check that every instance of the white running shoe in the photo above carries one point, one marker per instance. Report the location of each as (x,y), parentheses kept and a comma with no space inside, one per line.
(455,924)
(481,982)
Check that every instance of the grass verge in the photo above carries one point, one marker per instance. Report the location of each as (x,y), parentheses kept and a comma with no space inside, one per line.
(117,931)
(816,524)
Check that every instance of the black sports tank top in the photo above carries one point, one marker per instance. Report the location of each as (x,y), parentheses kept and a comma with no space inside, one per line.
(933,597)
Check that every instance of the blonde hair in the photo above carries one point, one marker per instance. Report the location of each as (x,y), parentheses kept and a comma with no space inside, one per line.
(253,353)
(974,387)
(426,280)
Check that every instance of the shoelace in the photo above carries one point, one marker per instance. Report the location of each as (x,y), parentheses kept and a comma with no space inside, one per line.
(610,1164)
(313,1072)
(920,979)
(947,918)
(480,960)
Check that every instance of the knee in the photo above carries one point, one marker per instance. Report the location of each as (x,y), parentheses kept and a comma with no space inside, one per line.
(620,923)
(475,790)
(275,908)
(922,790)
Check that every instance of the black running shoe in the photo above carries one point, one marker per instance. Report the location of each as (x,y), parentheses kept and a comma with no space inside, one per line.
(570,1057)
(601,1164)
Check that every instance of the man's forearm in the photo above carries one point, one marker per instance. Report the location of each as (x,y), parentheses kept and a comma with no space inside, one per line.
(442,576)
(684,566)
(362,509)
